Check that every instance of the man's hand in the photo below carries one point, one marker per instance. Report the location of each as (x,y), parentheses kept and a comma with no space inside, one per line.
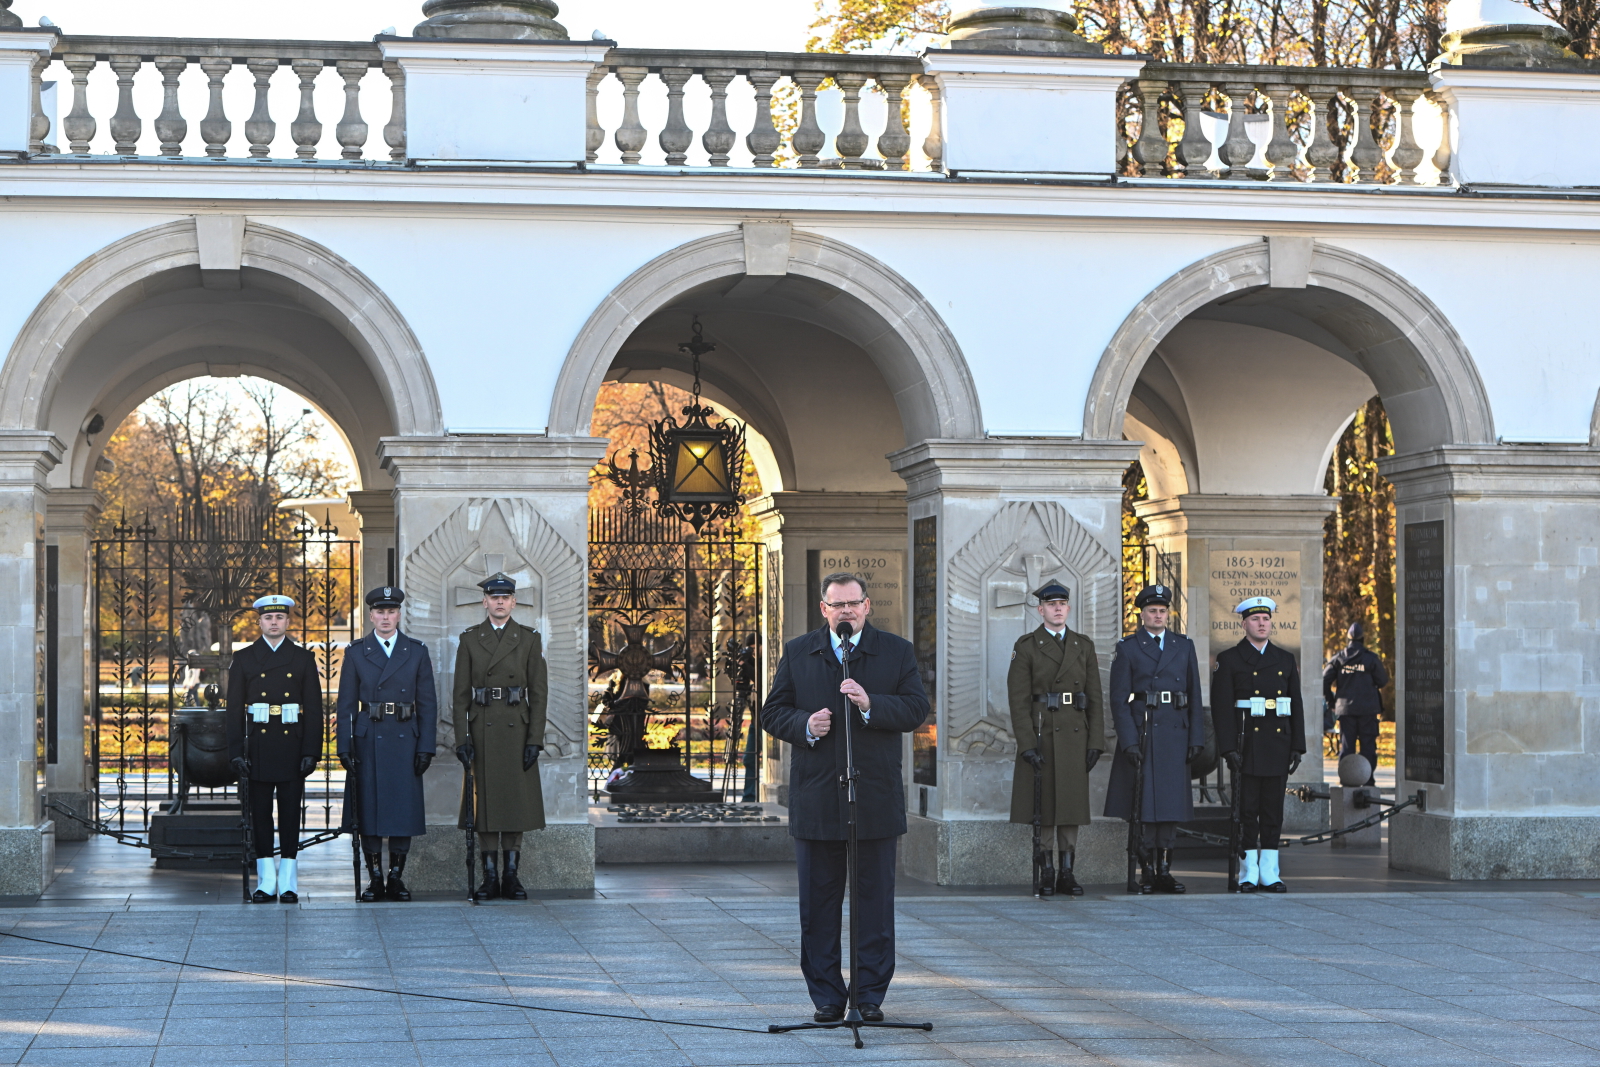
(307,765)
(241,766)
(858,696)
(1194,752)
(466,753)
(820,723)
(348,761)
(530,756)
(1235,761)
(1294,762)
(420,763)
(1090,759)
(1033,758)
(1133,754)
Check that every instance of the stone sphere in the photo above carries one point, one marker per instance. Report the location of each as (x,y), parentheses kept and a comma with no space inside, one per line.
(1354,770)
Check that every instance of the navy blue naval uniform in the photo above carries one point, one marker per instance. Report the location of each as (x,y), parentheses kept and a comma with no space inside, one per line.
(278,751)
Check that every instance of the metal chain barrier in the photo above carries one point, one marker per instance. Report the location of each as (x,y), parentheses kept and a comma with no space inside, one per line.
(167,851)
(1308,794)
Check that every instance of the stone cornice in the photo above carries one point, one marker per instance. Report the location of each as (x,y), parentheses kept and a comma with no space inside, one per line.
(482,463)
(1022,466)
(1545,472)
(1228,515)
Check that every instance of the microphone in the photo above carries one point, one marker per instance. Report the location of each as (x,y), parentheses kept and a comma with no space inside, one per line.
(845,631)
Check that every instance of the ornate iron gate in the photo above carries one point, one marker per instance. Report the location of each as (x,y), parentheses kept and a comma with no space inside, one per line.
(699,602)
(169,608)
(1144,564)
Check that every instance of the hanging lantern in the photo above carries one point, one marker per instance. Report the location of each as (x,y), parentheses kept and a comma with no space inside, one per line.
(698,467)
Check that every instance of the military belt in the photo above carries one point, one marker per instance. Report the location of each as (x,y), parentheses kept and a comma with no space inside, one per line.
(289,713)
(1258,706)
(511,694)
(400,712)
(1165,696)
(1062,700)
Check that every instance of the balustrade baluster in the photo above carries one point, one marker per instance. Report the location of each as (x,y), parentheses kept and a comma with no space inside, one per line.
(170,125)
(719,136)
(1407,152)
(1151,148)
(1323,152)
(352,129)
(305,129)
(676,136)
(933,145)
(852,141)
(808,136)
(764,139)
(1238,150)
(39,122)
(125,124)
(895,140)
(1282,149)
(394,134)
(79,125)
(215,127)
(1442,154)
(1194,151)
(259,129)
(630,136)
(1365,153)
(594,136)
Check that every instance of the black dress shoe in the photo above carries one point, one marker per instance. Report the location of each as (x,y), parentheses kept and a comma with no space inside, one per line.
(258,897)
(871,1013)
(828,1013)
(288,896)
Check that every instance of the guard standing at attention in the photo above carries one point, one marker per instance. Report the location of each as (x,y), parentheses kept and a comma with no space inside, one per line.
(388,716)
(275,741)
(1054,685)
(501,686)
(1160,722)
(1352,685)
(1263,739)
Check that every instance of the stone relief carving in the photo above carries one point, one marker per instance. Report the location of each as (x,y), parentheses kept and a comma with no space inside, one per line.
(442,599)
(1025,544)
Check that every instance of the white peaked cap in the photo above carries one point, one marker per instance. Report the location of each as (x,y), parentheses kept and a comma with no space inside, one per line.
(1255,603)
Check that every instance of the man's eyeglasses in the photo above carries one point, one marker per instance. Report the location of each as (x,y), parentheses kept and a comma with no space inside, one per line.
(836,605)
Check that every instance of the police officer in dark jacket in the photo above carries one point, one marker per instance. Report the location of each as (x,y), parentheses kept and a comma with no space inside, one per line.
(809,696)
(275,741)
(1160,721)
(388,716)
(1351,685)
(1263,739)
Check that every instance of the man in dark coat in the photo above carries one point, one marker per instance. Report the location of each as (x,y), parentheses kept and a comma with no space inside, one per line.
(1058,719)
(501,687)
(388,716)
(1261,731)
(275,741)
(1352,685)
(1160,721)
(806,706)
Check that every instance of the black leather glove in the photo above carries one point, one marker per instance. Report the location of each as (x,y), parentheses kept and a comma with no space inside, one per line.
(241,766)
(1194,752)
(348,761)
(466,753)
(307,765)
(1033,759)
(1235,760)
(1135,757)
(1090,759)
(530,756)
(420,762)
(1294,762)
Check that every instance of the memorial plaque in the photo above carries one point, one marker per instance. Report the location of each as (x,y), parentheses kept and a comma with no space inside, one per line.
(1240,573)
(1424,657)
(925,638)
(884,573)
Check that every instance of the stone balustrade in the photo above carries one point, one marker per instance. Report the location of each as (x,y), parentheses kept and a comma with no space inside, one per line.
(218,61)
(1312,124)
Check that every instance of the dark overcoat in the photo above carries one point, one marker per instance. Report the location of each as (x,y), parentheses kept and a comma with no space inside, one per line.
(1142,666)
(1353,680)
(1271,739)
(509,799)
(259,675)
(807,681)
(1041,664)
(390,801)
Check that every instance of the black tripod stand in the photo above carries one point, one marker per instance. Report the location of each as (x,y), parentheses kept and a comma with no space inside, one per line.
(852,1015)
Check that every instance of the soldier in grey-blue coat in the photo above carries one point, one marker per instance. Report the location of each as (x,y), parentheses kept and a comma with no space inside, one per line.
(1156,704)
(388,718)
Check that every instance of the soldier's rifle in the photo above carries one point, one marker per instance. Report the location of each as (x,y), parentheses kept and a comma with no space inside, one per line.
(1041,864)
(1236,809)
(352,789)
(1136,826)
(248,852)
(472,826)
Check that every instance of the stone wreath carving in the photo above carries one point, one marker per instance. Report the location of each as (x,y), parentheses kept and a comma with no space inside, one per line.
(484,535)
(1024,545)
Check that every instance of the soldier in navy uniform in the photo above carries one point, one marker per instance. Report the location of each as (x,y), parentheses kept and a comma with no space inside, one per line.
(388,716)
(1160,722)
(275,741)
(1258,682)
(1353,686)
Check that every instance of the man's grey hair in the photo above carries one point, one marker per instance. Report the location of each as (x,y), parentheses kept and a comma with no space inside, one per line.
(841,578)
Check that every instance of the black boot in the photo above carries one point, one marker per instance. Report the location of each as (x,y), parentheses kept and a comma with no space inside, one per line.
(1145,882)
(1047,880)
(510,888)
(1066,884)
(491,881)
(1164,882)
(374,890)
(396,889)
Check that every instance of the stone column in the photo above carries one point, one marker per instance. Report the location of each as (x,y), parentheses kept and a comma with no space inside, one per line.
(1499,607)
(990,521)
(27,839)
(1231,547)
(69,528)
(800,531)
(467,506)
(375,509)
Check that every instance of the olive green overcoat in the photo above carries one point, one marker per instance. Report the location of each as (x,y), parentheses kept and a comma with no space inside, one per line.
(509,799)
(1042,664)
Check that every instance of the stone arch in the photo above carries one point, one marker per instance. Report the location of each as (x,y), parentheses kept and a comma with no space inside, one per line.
(908,341)
(1445,401)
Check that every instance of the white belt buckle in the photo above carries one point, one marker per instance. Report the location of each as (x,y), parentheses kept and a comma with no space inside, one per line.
(1283,707)
(1166,696)
(1258,706)
(258,712)
(291,714)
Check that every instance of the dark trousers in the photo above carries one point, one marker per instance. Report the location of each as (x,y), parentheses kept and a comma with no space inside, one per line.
(288,796)
(1359,733)
(1158,834)
(821,867)
(373,846)
(1261,810)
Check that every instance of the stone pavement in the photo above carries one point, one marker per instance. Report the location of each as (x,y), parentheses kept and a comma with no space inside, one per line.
(1454,979)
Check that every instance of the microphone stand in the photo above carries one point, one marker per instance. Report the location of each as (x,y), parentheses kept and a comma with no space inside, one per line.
(852,1016)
